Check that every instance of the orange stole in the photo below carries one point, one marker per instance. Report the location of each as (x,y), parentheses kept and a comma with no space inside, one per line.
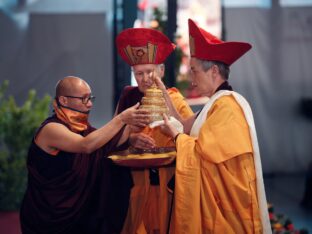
(77,121)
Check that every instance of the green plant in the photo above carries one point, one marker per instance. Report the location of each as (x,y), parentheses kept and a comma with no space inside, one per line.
(17,126)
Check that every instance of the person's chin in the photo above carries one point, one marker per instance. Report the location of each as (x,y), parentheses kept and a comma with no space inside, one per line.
(202,93)
(87,111)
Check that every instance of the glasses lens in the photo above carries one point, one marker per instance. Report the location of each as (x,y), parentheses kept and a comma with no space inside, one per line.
(86,99)
(92,98)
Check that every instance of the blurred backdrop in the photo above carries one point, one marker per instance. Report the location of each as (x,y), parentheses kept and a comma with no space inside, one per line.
(41,41)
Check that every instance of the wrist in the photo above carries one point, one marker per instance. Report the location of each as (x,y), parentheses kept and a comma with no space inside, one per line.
(176,137)
(121,119)
(166,94)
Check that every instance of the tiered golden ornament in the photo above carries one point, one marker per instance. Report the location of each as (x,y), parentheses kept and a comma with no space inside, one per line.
(155,103)
(164,153)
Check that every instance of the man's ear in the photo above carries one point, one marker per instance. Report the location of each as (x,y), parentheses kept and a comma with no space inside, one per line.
(215,70)
(162,71)
(62,100)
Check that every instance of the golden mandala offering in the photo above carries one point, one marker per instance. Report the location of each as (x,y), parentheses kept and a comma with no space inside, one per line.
(155,103)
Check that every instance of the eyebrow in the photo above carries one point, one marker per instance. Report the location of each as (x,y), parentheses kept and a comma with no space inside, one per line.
(86,94)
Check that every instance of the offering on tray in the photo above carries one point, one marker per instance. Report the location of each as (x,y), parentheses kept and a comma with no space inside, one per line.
(143,160)
(154,102)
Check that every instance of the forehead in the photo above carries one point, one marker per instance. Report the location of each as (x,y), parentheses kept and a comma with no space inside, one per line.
(194,62)
(143,67)
(82,89)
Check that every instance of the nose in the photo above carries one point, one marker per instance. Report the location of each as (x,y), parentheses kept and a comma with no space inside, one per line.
(89,103)
(146,77)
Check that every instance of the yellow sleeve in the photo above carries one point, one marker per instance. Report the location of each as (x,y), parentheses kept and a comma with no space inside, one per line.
(187,211)
(179,103)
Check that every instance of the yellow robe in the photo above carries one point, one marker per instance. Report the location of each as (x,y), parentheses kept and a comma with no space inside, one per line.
(215,176)
(149,205)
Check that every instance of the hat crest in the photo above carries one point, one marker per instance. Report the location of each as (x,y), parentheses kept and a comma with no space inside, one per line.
(206,46)
(143,46)
(141,54)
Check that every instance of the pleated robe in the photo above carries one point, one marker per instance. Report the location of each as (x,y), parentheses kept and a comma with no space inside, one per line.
(149,205)
(216,189)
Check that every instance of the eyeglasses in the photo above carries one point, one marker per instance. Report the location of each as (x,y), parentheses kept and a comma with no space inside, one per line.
(84,100)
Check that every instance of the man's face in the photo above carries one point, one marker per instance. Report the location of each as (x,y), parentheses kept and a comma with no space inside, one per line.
(79,99)
(144,73)
(202,80)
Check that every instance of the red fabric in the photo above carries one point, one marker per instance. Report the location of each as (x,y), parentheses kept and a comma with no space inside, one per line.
(9,222)
(138,40)
(208,47)
(143,5)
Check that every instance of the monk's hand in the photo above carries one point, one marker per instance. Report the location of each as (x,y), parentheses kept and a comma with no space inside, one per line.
(141,141)
(167,128)
(134,116)
(159,83)
(135,129)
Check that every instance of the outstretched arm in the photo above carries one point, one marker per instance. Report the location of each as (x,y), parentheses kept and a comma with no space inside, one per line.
(57,136)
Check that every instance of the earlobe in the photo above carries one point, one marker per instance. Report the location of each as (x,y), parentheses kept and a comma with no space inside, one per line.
(162,72)
(62,100)
(214,71)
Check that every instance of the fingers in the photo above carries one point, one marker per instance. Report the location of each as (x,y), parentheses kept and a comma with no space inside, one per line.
(135,116)
(135,128)
(168,128)
(166,119)
(140,121)
(145,119)
(140,124)
(136,106)
(142,111)
(142,141)
(160,84)
(141,116)
(147,142)
(153,75)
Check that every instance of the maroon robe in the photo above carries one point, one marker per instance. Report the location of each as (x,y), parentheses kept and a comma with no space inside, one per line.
(130,96)
(72,192)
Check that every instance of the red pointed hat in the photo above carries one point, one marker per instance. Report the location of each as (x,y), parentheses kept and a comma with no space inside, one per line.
(143,46)
(206,46)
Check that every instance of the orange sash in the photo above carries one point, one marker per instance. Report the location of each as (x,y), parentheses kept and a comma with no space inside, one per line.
(77,121)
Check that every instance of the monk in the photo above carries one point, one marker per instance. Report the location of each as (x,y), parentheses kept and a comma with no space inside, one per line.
(69,177)
(145,50)
(218,184)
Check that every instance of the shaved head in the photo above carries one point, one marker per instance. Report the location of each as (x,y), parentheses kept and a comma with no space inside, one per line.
(70,85)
